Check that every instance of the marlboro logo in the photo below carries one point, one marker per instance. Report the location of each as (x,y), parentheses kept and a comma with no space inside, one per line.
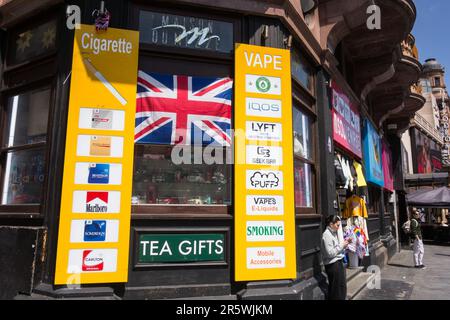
(97,202)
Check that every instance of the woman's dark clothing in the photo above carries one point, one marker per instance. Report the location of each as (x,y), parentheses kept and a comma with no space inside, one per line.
(337,281)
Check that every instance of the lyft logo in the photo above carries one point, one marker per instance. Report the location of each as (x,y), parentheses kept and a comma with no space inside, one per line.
(265,131)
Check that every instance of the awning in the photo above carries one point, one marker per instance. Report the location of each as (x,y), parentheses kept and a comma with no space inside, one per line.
(432,179)
(437,198)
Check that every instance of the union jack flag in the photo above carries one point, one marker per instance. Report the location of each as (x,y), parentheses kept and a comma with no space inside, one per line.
(174,109)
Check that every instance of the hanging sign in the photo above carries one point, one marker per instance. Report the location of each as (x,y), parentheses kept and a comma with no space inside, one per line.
(94,226)
(387,166)
(264,178)
(346,121)
(372,155)
(180,248)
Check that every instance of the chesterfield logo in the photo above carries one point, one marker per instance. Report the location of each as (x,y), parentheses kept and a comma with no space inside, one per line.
(92,261)
(97,202)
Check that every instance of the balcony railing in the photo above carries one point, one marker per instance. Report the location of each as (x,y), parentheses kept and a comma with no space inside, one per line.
(416,88)
(422,123)
(409,47)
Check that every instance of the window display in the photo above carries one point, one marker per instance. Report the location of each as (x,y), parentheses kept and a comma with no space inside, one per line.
(24,177)
(27,118)
(31,43)
(23,153)
(302,135)
(302,71)
(303,185)
(157,180)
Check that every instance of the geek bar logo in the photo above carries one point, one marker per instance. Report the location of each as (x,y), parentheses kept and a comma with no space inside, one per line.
(92,261)
(97,202)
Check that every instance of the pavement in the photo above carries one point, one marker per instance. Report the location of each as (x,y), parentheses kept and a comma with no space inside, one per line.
(401,281)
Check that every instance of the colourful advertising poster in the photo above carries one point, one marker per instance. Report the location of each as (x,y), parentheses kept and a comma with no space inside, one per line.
(264,177)
(94,225)
(346,121)
(428,154)
(372,155)
(387,167)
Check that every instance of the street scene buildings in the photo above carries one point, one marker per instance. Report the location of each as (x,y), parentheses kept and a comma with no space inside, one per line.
(339,115)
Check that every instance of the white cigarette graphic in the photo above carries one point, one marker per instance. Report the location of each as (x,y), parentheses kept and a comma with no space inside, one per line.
(105,82)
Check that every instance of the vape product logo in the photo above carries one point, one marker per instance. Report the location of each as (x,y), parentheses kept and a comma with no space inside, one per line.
(263,151)
(102,119)
(263,108)
(100,146)
(99,173)
(94,230)
(265,205)
(270,131)
(97,201)
(261,180)
(92,261)
(265,155)
(263,84)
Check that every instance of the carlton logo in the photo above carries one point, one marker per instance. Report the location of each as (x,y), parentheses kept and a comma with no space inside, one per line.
(97,202)
(92,261)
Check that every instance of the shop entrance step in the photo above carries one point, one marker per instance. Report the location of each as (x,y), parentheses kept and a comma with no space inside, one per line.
(353,272)
(358,283)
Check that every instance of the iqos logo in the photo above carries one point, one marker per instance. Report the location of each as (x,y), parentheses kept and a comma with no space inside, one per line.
(263,107)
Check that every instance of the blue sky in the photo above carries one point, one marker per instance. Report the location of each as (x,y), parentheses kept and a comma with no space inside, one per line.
(432,32)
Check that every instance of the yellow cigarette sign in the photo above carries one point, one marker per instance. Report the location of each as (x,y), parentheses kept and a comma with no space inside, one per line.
(264,195)
(94,226)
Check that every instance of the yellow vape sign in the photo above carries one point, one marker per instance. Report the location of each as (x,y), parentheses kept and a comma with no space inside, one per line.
(94,227)
(264,195)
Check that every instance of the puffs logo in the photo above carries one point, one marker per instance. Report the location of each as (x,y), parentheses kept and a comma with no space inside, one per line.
(97,202)
(264,181)
(92,261)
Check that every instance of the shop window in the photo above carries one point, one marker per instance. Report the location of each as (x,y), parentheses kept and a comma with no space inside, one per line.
(303,185)
(302,134)
(158,180)
(23,147)
(302,71)
(303,163)
(183,140)
(374,201)
(30,43)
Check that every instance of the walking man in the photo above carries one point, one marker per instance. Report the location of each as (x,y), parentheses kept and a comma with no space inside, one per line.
(416,233)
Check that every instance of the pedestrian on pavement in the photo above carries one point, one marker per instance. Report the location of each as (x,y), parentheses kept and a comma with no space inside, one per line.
(333,252)
(416,234)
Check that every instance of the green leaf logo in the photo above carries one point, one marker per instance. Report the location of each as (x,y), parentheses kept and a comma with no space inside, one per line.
(263,84)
